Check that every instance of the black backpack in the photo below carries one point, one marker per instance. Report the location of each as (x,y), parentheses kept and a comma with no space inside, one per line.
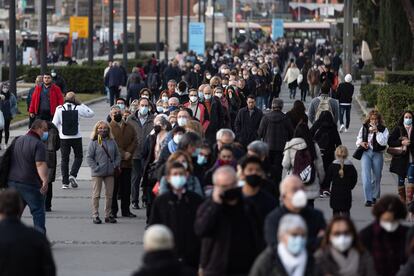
(5,164)
(323,140)
(304,167)
(70,121)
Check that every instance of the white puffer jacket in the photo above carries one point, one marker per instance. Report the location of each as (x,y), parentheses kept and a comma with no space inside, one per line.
(312,190)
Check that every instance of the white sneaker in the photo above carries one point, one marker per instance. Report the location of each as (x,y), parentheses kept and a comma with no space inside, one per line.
(346,130)
(65,186)
(342,128)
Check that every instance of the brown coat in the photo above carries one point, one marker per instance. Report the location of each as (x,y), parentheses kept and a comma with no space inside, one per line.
(126,139)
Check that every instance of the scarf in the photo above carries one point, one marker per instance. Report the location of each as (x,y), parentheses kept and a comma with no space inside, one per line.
(294,265)
(348,265)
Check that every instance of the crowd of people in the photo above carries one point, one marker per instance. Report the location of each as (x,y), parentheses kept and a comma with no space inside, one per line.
(203,143)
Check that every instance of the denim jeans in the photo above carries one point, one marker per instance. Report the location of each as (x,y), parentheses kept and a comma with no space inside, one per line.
(410,176)
(30,194)
(65,146)
(345,110)
(371,165)
(261,102)
(292,92)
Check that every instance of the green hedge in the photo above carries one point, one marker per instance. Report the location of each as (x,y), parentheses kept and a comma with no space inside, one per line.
(405,77)
(20,71)
(131,62)
(393,100)
(80,79)
(369,93)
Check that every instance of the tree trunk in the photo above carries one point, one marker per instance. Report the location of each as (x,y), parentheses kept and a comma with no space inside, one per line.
(409,12)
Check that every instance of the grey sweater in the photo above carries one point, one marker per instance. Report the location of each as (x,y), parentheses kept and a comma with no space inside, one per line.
(313,108)
(98,160)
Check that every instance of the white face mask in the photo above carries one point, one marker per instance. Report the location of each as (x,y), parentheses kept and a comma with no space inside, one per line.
(165,99)
(342,242)
(207,97)
(182,122)
(177,138)
(299,199)
(160,109)
(219,95)
(389,226)
(193,99)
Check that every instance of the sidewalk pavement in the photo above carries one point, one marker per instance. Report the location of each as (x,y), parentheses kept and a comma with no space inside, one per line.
(82,248)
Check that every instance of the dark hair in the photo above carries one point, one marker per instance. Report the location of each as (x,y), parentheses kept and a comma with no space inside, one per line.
(251,96)
(298,107)
(250,160)
(390,203)
(325,88)
(226,147)
(356,243)
(189,111)
(401,120)
(182,86)
(174,165)
(177,129)
(189,139)
(120,99)
(302,131)
(37,124)
(325,119)
(10,203)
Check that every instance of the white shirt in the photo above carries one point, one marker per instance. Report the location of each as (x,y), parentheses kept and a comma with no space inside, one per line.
(381,137)
(83,111)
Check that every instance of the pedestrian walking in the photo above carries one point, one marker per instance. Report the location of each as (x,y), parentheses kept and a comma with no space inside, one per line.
(342,252)
(385,238)
(104,160)
(66,119)
(304,84)
(8,106)
(402,164)
(344,93)
(297,114)
(247,122)
(115,78)
(216,114)
(372,140)
(340,179)
(313,80)
(58,80)
(52,146)
(323,103)
(291,78)
(28,171)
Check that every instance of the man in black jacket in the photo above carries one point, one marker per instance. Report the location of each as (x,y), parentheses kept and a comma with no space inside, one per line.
(195,78)
(177,209)
(114,79)
(230,228)
(247,122)
(23,250)
(276,129)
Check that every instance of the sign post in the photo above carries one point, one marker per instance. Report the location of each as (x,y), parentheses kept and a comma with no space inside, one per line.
(79,24)
(277,28)
(197,37)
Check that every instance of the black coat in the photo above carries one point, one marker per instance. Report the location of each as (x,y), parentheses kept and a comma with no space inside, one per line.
(408,268)
(195,79)
(216,119)
(341,189)
(24,251)
(246,126)
(163,263)
(115,77)
(275,129)
(214,227)
(179,215)
(345,92)
(399,164)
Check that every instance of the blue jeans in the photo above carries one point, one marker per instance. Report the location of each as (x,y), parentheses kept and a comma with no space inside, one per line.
(371,165)
(345,110)
(31,196)
(261,102)
(292,92)
(410,176)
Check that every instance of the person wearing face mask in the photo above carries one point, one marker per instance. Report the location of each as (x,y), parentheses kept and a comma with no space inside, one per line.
(247,122)
(342,252)
(229,227)
(172,145)
(66,119)
(199,110)
(216,114)
(28,173)
(143,123)
(181,93)
(291,79)
(126,140)
(147,94)
(8,106)
(195,78)
(403,165)
(177,209)
(58,80)
(225,157)
(372,140)
(289,256)
(294,201)
(207,77)
(52,146)
(313,77)
(104,159)
(385,238)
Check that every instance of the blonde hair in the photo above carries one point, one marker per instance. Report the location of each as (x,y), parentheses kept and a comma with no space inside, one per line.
(94,135)
(341,154)
(175,155)
(375,113)
(195,126)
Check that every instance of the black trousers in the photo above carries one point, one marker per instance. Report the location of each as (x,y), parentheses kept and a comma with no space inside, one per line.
(6,131)
(49,195)
(114,93)
(276,169)
(137,168)
(65,147)
(122,189)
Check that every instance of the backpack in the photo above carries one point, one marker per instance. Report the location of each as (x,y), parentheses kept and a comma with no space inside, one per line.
(70,121)
(304,167)
(324,105)
(323,140)
(5,164)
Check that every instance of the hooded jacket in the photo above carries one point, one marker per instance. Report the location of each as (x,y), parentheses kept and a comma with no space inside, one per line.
(275,129)
(312,190)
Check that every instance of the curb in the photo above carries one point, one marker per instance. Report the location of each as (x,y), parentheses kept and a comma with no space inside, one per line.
(25,122)
(360,102)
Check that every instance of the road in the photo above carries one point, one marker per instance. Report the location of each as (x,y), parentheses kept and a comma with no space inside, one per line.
(83,248)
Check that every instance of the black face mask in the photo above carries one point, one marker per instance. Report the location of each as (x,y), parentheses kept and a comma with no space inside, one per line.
(254,180)
(118,118)
(230,195)
(157,128)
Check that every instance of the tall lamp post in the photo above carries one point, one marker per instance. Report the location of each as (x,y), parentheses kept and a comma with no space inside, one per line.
(188,25)
(111,30)
(157,43)
(90,32)
(125,34)
(43,37)
(348,36)
(213,23)
(137,28)
(181,23)
(12,41)
(166,30)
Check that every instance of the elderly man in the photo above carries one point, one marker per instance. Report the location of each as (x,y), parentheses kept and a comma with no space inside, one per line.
(173,103)
(294,201)
(276,129)
(226,136)
(229,227)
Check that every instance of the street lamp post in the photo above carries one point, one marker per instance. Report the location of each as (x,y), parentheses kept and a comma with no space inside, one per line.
(204,10)
(12,41)
(213,23)
(348,36)
(188,25)
(199,10)
(137,28)
(158,23)
(90,32)
(111,30)
(181,23)
(166,30)
(125,34)
(43,36)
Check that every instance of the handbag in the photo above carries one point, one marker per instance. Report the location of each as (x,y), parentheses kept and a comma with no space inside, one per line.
(358,153)
(397,151)
(117,169)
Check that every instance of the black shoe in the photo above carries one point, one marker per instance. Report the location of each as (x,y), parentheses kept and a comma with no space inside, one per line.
(97,220)
(129,215)
(48,209)
(374,200)
(114,216)
(368,204)
(110,220)
(135,206)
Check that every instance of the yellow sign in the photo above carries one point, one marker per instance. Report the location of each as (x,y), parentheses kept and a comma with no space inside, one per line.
(78,27)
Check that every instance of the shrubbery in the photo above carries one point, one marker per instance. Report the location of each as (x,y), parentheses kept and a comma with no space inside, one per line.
(405,77)
(369,93)
(393,100)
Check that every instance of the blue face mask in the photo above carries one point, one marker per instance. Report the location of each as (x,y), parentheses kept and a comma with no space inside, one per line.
(178,181)
(44,136)
(201,160)
(408,121)
(196,152)
(143,110)
(121,106)
(201,96)
(296,244)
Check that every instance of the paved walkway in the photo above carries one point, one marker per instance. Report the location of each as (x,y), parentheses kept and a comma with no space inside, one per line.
(82,248)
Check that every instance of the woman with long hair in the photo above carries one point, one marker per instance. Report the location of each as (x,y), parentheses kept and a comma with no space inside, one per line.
(297,114)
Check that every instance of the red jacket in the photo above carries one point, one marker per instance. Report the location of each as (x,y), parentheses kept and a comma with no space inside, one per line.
(56,99)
